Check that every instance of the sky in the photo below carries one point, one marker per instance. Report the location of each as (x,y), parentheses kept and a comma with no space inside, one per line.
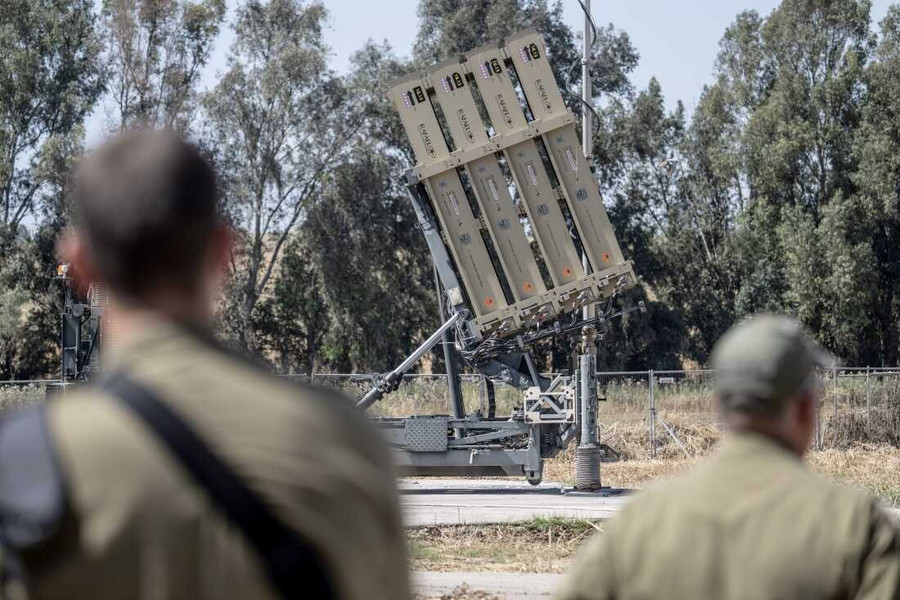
(677,39)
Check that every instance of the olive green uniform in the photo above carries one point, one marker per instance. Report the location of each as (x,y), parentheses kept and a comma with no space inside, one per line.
(139,527)
(752,522)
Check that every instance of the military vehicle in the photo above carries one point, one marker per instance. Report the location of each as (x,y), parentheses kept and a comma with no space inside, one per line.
(523,250)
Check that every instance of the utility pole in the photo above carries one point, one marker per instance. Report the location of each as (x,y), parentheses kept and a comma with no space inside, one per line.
(587,455)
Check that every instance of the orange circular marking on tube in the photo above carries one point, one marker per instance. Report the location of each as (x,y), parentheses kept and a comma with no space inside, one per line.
(567,271)
(527,287)
(605,257)
(489,302)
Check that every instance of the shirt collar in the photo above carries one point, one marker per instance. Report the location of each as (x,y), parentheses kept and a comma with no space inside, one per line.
(748,443)
(152,332)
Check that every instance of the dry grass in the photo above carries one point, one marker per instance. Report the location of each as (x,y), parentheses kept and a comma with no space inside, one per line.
(873,468)
(630,473)
(537,546)
(14,396)
(859,452)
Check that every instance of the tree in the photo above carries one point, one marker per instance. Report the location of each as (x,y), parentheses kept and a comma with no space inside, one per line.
(451,27)
(29,303)
(761,213)
(50,78)
(294,320)
(876,220)
(278,121)
(156,51)
(376,270)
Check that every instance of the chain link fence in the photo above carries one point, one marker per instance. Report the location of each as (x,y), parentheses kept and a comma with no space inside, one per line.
(642,414)
(665,414)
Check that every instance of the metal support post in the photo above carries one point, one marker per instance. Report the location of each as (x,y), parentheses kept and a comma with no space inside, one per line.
(819,424)
(390,381)
(868,405)
(453,387)
(834,378)
(534,463)
(587,373)
(587,455)
(532,369)
(652,414)
(586,127)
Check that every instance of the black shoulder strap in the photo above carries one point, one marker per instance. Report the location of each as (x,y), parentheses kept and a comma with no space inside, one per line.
(295,567)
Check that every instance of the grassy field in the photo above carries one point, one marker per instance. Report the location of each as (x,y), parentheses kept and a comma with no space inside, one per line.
(536,546)
(855,450)
(19,395)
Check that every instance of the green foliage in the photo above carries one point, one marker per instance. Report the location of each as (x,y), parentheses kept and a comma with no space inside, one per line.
(778,194)
(29,314)
(771,206)
(376,270)
(278,121)
(49,81)
(50,78)
(157,51)
(294,320)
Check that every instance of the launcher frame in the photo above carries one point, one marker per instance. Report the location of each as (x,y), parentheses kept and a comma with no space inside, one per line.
(513,267)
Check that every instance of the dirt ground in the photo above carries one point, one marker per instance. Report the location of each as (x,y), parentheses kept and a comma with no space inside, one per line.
(463,592)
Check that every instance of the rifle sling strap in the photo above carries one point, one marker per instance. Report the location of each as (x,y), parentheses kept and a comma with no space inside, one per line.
(295,567)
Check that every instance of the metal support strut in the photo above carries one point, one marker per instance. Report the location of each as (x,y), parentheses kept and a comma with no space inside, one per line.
(389,382)
(587,455)
(456,399)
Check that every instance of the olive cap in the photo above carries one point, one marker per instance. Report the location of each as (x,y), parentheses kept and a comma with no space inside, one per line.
(765,359)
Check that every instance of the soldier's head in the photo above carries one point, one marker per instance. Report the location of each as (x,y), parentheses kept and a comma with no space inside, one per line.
(146,223)
(766,379)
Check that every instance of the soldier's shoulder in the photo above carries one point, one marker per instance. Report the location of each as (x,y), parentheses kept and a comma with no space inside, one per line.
(318,407)
(837,497)
(233,367)
(84,406)
(657,499)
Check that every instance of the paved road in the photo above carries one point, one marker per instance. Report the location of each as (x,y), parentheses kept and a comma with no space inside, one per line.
(433,501)
(467,501)
(510,586)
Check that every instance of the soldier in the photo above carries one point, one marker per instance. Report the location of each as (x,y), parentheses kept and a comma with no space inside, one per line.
(751,522)
(184,471)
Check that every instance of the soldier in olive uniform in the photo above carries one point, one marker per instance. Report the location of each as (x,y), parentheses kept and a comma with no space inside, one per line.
(185,471)
(751,522)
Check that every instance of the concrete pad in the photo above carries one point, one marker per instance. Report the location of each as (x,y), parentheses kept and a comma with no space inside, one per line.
(471,501)
(510,586)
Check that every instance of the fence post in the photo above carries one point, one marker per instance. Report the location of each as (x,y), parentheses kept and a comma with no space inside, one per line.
(834,376)
(652,414)
(819,424)
(868,405)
